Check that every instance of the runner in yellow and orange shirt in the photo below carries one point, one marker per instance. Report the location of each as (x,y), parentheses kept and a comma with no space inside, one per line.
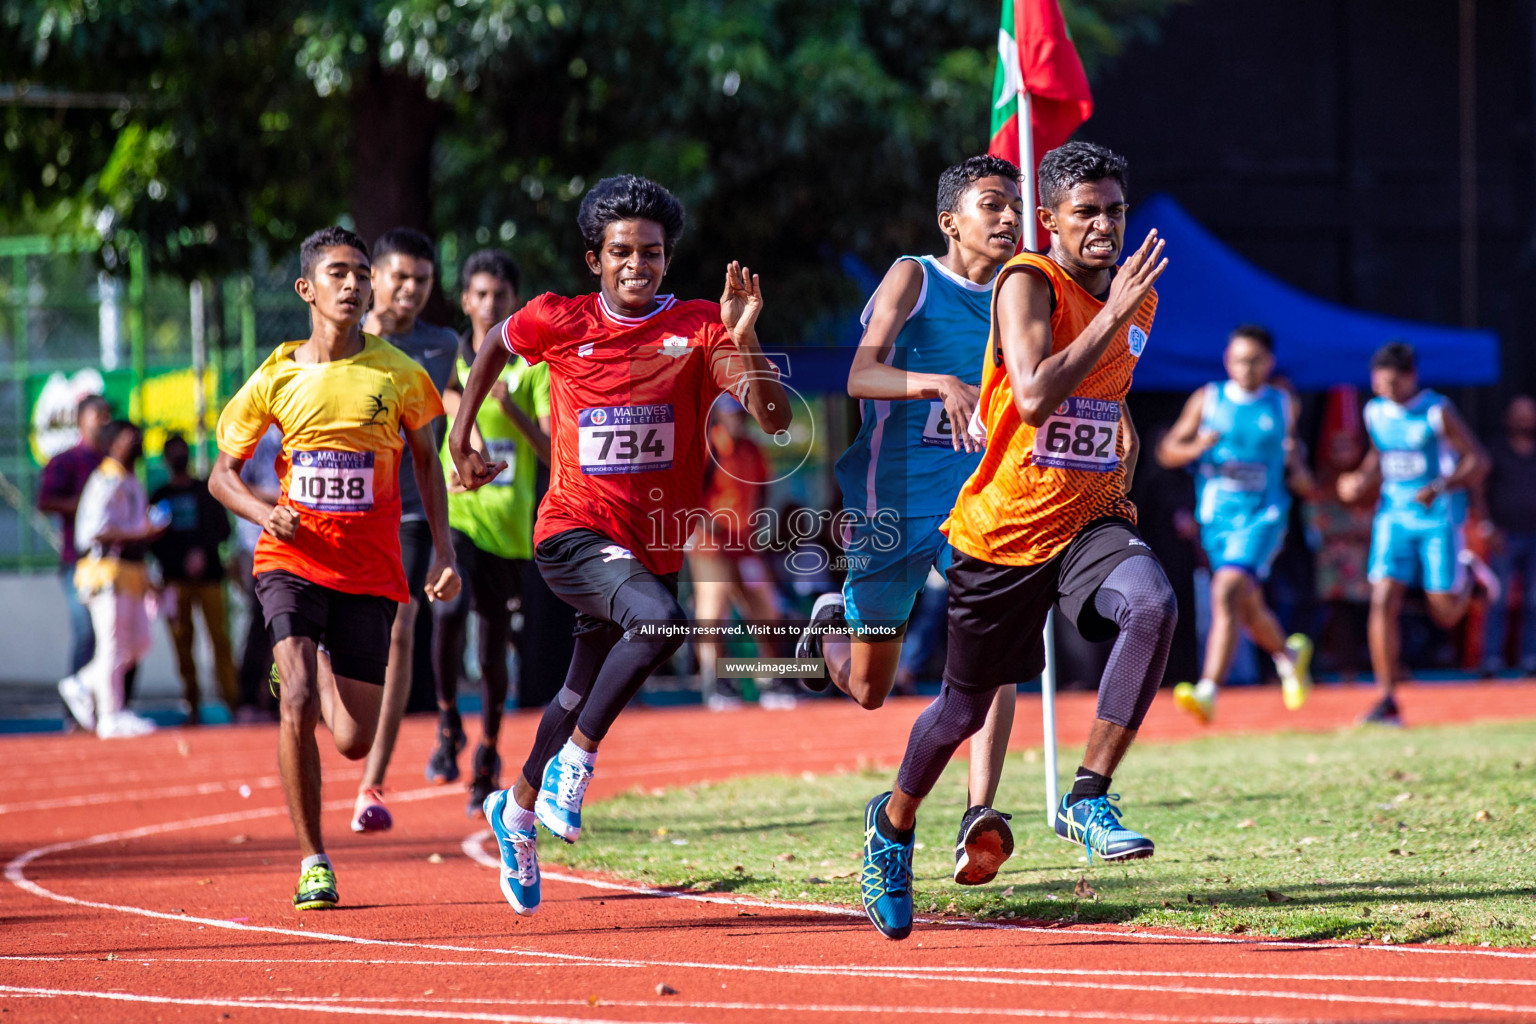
(327,566)
(1044,520)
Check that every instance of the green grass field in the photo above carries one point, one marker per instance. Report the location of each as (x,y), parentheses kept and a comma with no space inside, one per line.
(1420,836)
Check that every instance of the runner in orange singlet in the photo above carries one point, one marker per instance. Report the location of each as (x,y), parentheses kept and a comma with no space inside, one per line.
(1044,520)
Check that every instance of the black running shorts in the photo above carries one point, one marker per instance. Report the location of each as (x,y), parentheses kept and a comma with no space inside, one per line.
(353,627)
(586,570)
(997,612)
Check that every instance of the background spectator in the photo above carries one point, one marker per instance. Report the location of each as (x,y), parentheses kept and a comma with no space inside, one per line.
(1340,534)
(59,491)
(188,553)
(113,525)
(1512,537)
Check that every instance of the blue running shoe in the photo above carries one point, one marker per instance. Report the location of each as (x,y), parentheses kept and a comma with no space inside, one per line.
(1095,824)
(559,801)
(886,882)
(519,857)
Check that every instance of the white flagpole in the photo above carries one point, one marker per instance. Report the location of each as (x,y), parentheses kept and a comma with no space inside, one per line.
(1048,677)
(1027,166)
(1048,718)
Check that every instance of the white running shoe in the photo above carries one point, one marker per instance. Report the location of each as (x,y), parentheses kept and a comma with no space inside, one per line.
(124,725)
(558,805)
(80,701)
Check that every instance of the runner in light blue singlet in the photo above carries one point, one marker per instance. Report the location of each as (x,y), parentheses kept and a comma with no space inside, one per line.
(1237,435)
(1410,542)
(901,473)
(1424,458)
(1243,499)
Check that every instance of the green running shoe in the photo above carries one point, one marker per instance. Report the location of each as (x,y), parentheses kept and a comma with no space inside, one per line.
(317,889)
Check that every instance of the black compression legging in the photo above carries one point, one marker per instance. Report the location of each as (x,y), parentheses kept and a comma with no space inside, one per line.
(1136,597)
(607,669)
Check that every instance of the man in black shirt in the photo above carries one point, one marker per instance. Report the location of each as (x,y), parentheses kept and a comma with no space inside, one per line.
(1512,520)
(188,553)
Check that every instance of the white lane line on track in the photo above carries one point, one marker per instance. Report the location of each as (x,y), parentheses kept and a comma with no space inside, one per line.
(15,874)
(165,793)
(904,1010)
(474,849)
(1385,979)
(321,1004)
(322,1007)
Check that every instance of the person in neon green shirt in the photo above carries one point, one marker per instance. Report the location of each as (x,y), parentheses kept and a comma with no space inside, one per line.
(492,527)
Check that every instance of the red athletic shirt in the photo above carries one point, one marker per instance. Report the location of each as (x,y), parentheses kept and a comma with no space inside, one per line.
(629,406)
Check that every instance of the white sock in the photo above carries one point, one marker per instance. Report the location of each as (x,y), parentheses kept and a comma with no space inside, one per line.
(515,818)
(309,862)
(572,754)
(1283,659)
(1206,688)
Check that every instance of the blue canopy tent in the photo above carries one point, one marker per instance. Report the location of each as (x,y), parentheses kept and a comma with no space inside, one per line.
(1208,289)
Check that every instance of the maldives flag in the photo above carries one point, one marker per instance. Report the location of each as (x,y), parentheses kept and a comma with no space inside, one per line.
(1039,79)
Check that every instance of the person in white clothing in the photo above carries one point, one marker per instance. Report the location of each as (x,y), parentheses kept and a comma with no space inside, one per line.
(113,528)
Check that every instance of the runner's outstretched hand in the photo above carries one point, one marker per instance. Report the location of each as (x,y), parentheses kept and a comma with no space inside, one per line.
(1134,281)
(472,469)
(742,300)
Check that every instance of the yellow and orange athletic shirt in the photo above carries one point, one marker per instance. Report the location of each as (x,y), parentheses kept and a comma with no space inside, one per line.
(339,468)
(1036,489)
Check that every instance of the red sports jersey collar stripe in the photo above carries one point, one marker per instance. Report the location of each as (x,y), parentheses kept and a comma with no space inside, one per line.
(663,303)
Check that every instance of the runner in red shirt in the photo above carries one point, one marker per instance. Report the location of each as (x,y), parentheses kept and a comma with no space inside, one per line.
(633,375)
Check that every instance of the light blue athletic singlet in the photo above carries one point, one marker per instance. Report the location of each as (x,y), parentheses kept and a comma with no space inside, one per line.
(903,457)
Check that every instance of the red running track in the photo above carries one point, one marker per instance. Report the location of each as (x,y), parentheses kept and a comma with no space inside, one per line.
(142,885)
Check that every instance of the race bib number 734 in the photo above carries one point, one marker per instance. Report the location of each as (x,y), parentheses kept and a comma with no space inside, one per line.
(625,439)
(1081,434)
(331,481)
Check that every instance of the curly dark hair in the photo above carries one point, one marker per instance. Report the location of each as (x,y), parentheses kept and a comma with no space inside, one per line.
(327,238)
(955,180)
(498,264)
(629,197)
(1074,163)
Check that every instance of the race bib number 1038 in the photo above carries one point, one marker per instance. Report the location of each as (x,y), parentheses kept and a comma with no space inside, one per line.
(1081,434)
(625,439)
(331,481)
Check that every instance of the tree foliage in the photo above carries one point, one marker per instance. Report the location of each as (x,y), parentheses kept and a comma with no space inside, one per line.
(796,131)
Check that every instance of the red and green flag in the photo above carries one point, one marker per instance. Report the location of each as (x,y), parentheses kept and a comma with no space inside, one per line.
(1039,81)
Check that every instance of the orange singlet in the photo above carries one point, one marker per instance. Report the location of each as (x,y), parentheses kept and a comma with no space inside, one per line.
(1037,488)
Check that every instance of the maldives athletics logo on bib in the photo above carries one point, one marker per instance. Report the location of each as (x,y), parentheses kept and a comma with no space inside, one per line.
(1136,340)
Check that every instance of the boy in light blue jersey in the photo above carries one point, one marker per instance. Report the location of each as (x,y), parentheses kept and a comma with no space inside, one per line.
(917,373)
(1239,436)
(1416,538)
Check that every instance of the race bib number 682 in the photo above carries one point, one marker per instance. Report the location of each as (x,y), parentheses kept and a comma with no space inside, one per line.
(625,439)
(1081,434)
